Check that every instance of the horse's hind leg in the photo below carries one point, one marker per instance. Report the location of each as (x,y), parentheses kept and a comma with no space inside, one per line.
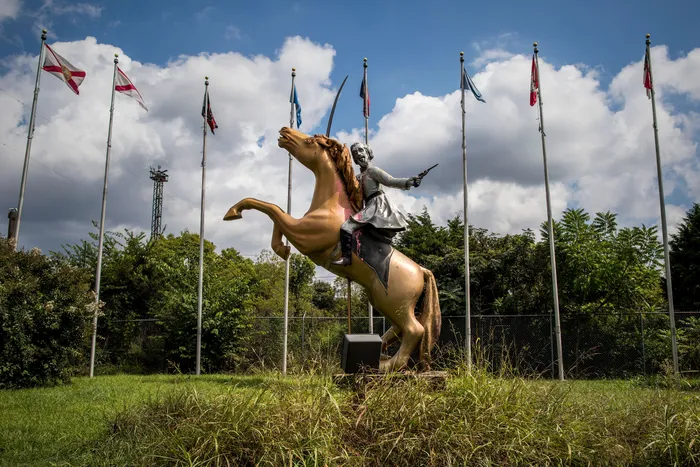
(411,335)
(391,336)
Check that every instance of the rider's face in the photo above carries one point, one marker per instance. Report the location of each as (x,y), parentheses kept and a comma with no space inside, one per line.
(361,156)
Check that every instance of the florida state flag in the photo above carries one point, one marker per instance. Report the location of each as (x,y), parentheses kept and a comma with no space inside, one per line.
(62,69)
(125,86)
(534,83)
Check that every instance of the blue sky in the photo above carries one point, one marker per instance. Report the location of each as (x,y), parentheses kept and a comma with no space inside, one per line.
(410,45)
(599,143)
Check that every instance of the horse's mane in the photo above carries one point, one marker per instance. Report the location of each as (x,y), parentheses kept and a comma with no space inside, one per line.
(340,155)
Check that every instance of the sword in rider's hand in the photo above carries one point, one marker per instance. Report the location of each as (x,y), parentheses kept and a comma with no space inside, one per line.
(420,176)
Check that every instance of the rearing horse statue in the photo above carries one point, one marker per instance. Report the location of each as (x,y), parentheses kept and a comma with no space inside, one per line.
(337,195)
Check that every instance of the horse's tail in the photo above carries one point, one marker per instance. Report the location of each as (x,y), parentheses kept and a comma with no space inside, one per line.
(430,318)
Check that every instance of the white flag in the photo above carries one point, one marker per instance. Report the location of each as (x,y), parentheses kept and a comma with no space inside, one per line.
(125,86)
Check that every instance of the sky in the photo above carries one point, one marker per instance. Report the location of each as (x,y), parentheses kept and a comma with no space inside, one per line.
(598,120)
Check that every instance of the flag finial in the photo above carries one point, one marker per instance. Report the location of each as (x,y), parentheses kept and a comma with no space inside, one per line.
(43,34)
(116,58)
(461,56)
(648,41)
(534,44)
(294,72)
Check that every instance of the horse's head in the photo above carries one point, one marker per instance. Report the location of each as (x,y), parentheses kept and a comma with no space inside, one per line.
(306,149)
(317,151)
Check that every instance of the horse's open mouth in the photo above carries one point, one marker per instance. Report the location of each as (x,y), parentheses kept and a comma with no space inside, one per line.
(283,139)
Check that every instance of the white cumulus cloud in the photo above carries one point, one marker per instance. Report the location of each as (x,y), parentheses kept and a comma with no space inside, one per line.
(600,146)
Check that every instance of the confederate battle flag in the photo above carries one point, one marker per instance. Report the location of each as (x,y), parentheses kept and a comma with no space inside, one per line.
(534,82)
(125,86)
(647,74)
(62,69)
(207,113)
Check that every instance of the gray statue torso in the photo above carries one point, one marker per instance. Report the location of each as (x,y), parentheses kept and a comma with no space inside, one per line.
(378,211)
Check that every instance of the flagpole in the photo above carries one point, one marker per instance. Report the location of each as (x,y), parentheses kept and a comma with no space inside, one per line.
(555,292)
(98,272)
(370,311)
(662,205)
(30,136)
(201,230)
(468,325)
(289,211)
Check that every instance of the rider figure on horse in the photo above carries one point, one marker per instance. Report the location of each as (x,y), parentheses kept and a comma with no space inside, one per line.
(378,211)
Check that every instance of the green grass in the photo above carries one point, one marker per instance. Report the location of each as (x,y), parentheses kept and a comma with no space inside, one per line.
(39,426)
(305,420)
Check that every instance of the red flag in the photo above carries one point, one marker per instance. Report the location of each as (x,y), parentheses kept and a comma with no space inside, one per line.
(125,86)
(647,74)
(534,82)
(62,69)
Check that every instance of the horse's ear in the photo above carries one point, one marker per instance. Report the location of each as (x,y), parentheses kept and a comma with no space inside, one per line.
(323,141)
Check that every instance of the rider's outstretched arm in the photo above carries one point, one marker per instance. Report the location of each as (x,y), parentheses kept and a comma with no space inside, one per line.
(380,176)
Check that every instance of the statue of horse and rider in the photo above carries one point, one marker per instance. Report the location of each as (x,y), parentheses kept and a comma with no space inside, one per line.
(348,230)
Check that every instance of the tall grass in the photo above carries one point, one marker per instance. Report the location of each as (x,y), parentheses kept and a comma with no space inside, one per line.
(478,419)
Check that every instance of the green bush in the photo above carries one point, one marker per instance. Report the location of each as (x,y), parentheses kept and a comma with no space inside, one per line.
(45,314)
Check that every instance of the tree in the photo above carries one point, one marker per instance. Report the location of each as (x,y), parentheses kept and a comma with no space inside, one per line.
(323,296)
(46,307)
(227,287)
(685,260)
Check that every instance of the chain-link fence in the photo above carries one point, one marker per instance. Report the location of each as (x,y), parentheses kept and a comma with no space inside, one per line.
(594,346)
(600,345)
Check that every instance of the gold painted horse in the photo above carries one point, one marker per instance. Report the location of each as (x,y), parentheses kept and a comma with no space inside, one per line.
(337,195)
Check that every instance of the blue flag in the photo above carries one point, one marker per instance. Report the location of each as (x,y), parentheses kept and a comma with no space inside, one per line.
(294,98)
(467,83)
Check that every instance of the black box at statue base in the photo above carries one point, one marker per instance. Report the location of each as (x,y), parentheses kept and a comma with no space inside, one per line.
(361,352)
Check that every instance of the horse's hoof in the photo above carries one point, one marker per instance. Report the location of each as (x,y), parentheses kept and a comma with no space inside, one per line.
(232,214)
(283,252)
(385,366)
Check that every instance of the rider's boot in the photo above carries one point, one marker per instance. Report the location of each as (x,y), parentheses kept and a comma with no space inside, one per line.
(346,249)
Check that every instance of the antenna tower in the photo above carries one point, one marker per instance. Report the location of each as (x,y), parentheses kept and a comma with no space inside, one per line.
(159,177)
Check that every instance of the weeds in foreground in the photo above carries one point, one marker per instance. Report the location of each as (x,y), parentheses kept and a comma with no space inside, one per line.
(477,419)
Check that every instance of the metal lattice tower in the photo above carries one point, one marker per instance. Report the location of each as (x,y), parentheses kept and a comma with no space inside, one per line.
(159,177)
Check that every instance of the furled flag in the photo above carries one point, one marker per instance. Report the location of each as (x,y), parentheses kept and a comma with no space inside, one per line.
(207,113)
(364,94)
(62,69)
(647,74)
(534,82)
(467,83)
(295,99)
(125,86)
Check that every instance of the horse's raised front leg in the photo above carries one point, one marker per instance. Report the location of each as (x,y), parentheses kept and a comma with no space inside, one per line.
(284,223)
(278,246)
